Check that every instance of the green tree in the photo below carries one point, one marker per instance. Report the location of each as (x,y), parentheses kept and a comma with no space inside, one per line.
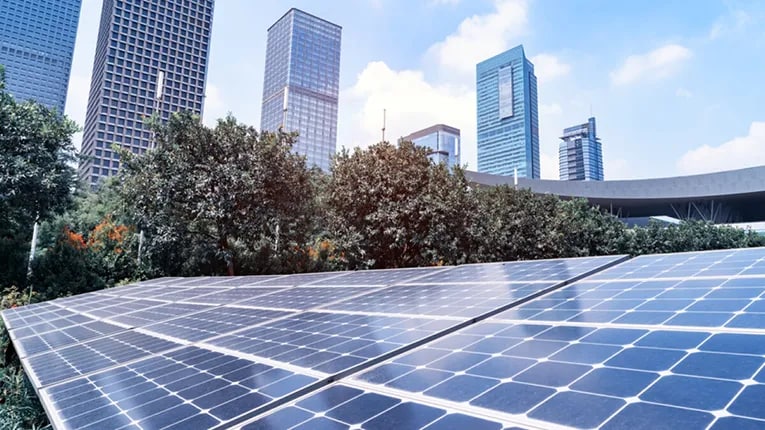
(390,206)
(36,176)
(223,200)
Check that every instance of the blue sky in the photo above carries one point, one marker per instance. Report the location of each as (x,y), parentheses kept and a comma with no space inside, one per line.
(676,86)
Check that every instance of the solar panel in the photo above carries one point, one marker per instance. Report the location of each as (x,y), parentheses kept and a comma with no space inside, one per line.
(104,359)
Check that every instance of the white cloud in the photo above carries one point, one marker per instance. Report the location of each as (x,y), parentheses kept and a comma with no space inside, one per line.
(443,2)
(683,92)
(740,152)
(734,22)
(659,63)
(548,67)
(551,109)
(548,165)
(411,102)
(480,37)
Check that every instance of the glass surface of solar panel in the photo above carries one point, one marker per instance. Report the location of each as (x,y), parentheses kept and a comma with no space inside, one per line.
(303,298)
(142,317)
(302,279)
(59,337)
(725,263)
(586,377)
(381,277)
(188,388)
(72,361)
(342,406)
(330,342)
(456,300)
(521,271)
(243,281)
(212,322)
(231,295)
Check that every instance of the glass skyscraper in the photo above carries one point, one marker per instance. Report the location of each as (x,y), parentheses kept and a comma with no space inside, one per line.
(151,58)
(580,155)
(301,83)
(508,122)
(442,141)
(36,46)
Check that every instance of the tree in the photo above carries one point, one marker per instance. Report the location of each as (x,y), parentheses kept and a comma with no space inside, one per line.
(223,200)
(36,176)
(390,206)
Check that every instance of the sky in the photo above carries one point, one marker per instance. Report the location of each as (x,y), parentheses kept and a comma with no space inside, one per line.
(676,85)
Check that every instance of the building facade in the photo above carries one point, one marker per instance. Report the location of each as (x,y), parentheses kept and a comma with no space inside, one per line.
(580,154)
(442,141)
(151,58)
(508,119)
(36,47)
(301,83)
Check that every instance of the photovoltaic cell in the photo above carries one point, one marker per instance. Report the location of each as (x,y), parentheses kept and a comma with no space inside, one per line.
(342,406)
(212,322)
(521,271)
(329,342)
(726,263)
(231,295)
(189,388)
(61,337)
(163,312)
(76,360)
(382,277)
(302,298)
(584,377)
(243,281)
(456,300)
(302,279)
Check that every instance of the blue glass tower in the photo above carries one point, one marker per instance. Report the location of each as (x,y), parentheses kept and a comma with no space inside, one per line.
(580,155)
(442,141)
(508,120)
(36,47)
(301,83)
(151,58)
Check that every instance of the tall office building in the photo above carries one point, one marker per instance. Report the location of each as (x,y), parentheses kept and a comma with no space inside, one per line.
(151,58)
(36,47)
(508,122)
(301,83)
(442,141)
(580,154)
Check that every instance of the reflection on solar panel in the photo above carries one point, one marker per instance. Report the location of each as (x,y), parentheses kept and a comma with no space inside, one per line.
(675,340)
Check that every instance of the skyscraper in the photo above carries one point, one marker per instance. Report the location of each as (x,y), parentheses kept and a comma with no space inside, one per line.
(442,141)
(36,47)
(508,122)
(151,58)
(301,83)
(580,154)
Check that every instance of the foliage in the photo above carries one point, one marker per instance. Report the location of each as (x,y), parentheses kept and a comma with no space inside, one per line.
(223,200)
(35,176)
(390,206)
(688,236)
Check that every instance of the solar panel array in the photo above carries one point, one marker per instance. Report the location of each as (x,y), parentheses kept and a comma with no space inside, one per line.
(664,341)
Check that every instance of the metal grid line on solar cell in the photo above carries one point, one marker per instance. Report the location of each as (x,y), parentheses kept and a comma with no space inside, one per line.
(344,405)
(303,298)
(330,342)
(212,322)
(730,303)
(380,278)
(586,377)
(462,300)
(30,345)
(521,271)
(302,279)
(725,263)
(232,295)
(187,388)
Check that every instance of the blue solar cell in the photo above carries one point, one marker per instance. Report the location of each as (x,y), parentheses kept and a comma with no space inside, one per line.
(362,407)
(615,382)
(461,388)
(407,415)
(750,402)
(737,423)
(717,365)
(578,410)
(692,392)
(653,359)
(513,397)
(461,421)
(657,417)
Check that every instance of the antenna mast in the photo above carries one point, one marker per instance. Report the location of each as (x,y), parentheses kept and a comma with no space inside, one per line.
(383,127)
